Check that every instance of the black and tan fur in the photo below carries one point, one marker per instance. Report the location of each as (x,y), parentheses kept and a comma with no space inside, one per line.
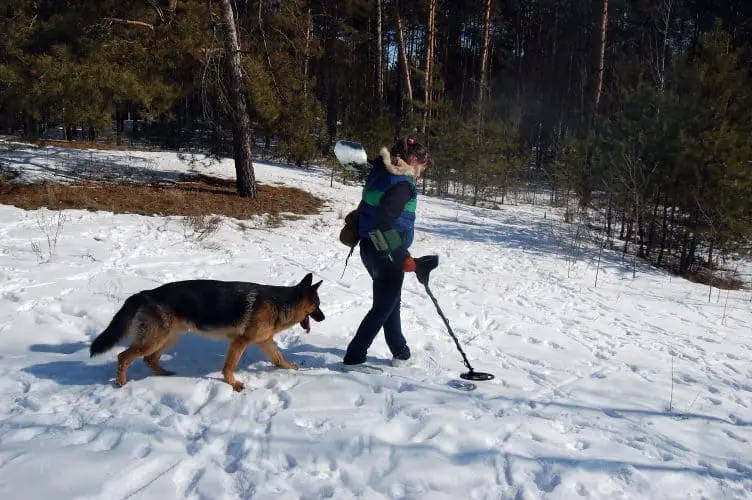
(242,313)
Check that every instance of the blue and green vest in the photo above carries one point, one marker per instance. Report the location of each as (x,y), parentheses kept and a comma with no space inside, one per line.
(378,182)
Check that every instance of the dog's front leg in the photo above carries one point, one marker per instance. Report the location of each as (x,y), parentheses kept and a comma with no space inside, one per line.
(271,351)
(234,352)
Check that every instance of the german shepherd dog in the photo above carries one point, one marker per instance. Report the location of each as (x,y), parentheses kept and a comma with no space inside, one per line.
(242,313)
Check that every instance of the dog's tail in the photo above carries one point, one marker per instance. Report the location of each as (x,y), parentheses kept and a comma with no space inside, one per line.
(118,327)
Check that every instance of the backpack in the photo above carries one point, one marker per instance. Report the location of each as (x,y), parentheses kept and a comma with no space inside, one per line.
(348,235)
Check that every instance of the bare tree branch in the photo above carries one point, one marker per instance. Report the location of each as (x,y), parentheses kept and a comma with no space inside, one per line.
(130,22)
(158,10)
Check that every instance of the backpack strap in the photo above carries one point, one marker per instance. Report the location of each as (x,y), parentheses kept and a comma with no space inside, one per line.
(352,249)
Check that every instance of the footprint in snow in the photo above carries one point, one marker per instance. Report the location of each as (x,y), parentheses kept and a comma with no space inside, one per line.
(546,480)
(142,451)
(579,445)
(106,440)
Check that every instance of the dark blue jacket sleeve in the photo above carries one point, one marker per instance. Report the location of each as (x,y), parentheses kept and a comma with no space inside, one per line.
(391,206)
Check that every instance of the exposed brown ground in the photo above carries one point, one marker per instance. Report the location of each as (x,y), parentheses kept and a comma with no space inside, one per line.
(196,195)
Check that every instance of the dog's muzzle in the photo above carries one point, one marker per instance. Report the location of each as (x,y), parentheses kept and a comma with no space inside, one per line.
(317,316)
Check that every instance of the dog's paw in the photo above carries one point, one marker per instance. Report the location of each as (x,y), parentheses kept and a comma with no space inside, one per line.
(290,366)
(238,386)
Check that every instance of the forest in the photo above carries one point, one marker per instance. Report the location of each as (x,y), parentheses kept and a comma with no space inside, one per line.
(635,115)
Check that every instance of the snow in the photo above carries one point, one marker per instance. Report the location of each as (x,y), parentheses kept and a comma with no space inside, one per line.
(579,407)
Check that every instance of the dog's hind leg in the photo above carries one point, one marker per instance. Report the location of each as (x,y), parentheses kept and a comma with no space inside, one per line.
(270,349)
(150,336)
(130,355)
(152,360)
(234,353)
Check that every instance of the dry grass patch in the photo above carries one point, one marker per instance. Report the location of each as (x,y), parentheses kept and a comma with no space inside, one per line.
(196,196)
(717,279)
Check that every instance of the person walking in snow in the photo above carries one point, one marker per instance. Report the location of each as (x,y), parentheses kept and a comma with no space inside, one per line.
(386,221)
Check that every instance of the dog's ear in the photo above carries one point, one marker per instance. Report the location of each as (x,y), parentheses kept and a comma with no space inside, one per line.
(306,282)
(317,285)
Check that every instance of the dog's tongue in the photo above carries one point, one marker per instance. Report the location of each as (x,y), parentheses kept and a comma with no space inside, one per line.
(306,324)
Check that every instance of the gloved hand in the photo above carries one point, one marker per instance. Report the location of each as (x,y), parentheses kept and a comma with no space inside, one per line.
(422,266)
(408,265)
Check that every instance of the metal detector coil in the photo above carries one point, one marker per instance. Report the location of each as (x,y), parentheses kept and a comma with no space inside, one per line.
(477,376)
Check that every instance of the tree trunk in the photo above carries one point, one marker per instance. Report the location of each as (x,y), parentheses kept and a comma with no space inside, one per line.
(136,131)
(641,236)
(307,55)
(638,220)
(664,230)
(601,58)
(651,227)
(119,127)
(379,51)
(236,107)
(691,253)
(31,126)
(429,58)
(403,58)
(684,248)
(690,245)
(609,215)
(661,58)
(484,66)
(630,228)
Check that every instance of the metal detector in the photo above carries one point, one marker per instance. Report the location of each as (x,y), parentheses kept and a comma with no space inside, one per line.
(423,267)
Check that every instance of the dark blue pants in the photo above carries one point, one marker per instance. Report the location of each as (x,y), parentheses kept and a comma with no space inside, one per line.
(385,311)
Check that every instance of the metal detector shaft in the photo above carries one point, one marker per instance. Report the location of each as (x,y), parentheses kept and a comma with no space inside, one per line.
(449,328)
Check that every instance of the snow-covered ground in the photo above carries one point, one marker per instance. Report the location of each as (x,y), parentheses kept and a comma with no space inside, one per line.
(579,407)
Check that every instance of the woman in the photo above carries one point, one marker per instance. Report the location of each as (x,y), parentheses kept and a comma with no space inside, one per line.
(386,228)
